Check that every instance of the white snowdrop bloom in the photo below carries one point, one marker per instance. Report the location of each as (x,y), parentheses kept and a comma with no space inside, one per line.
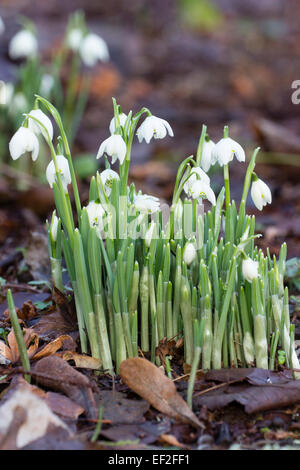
(146,204)
(92,49)
(226,149)
(18,104)
(2,26)
(151,232)
(207,159)
(197,174)
(96,213)
(47,84)
(23,44)
(189,253)
(64,170)
(261,194)
(112,126)
(45,121)
(201,190)
(53,227)
(153,127)
(23,141)
(74,38)
(115,147)
(6,93)
(250,269)
(107,177)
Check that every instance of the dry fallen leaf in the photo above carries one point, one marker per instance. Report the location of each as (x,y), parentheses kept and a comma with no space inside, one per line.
(82,361)
(56,374)
(11,352)
(25,417)
(54,346)
(145,379)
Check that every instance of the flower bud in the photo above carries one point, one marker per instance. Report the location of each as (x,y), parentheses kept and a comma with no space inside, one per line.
(250,269)
(189,253)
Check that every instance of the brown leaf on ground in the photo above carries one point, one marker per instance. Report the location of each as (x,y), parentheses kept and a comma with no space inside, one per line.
(52,347)
(171,440)
(145,379)
(82,361)
(56,374)
(120,410)
(24,418)
(52,325)
(254,398)
(11,352)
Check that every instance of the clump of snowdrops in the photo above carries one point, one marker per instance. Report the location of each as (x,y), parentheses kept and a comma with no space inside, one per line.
(69,92)
(143,272)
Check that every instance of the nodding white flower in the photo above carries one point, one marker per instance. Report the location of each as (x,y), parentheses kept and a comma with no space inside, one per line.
(197,174)
(207,159)
(107,177)
(260,193)
(115,147)
(189,253)
(226,149)
(23,141)
(250,269)
(92,49)
(198,186)
(64,170)
(96,213)
(47,84)
(53,227)
(150,234)
(146,204)
(122,119)
(23,44)
(2,26)
(74,38)
(201,190)
(45,121)
(6,93)
(153,127)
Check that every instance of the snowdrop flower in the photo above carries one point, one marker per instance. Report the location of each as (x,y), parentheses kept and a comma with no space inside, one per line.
(23,141)
(23,44)
(197,174)
(92,49)
(53,227)
(207,159)
(198,186)
(153,127)
(35,126)
(107,177)
(189,253)
(151,232)
(250,269)
(122,118)
(6,93)
(115,147)
(74,39)
(18,104)
(226,149)
(260,193)
(146,204)
(201,190)
(64,170)
(96,213)
(2,26)
(47,84)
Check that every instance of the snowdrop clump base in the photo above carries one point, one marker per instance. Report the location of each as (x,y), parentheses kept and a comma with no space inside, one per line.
(143,272)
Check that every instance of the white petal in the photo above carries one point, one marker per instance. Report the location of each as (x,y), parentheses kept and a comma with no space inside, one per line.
(24,140)
(43,118)
(23,44)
